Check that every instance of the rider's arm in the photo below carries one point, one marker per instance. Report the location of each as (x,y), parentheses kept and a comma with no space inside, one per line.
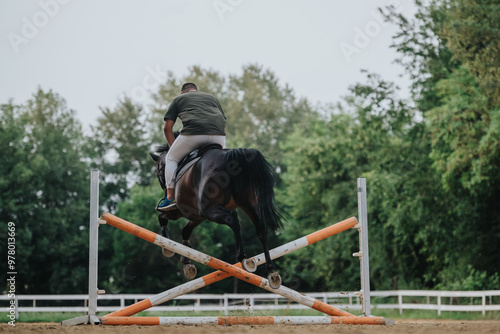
(168,131)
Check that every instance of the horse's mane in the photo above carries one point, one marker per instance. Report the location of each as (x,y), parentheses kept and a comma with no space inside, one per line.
(162,148)
(166,147)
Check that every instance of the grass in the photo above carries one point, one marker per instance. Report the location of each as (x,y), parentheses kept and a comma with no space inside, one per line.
(390,314)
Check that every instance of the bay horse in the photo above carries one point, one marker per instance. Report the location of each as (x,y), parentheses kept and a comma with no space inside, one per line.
(211,189)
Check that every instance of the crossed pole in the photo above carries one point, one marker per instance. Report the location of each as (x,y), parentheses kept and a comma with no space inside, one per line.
(226,270)
(220,275)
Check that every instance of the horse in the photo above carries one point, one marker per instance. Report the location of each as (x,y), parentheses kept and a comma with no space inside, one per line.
(212,188)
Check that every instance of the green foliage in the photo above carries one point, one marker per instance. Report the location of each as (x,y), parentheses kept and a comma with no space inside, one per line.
(366,136)
(423,55)
(44,191)
(431,163)
(471,30)
(134,265)
(119,148)
(464,139)
(467,278)
(440,49)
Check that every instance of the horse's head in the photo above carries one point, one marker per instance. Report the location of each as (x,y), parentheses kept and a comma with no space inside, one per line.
(159,159)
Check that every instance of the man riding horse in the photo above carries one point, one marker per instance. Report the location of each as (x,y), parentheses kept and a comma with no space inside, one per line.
(203,123)
(217,182)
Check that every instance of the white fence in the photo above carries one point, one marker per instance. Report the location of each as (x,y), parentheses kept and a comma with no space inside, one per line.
(479,301)
(459,301)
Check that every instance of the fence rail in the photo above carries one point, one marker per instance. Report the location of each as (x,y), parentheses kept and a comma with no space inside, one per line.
(477,301)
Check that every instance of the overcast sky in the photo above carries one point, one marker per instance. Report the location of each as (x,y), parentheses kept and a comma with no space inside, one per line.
(92,51)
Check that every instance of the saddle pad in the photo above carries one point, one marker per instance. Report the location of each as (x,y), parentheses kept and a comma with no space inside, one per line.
(180,172)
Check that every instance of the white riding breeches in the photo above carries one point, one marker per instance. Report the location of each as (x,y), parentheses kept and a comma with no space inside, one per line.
(183,145)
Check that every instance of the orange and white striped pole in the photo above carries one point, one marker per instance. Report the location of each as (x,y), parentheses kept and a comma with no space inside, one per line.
(220,275)
(221,265)
(300,320)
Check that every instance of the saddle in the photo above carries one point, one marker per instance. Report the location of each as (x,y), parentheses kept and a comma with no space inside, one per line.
(192,158)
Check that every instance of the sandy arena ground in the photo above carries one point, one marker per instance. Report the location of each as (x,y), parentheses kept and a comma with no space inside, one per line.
(401,326)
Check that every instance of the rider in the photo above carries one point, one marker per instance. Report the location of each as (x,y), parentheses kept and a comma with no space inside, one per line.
(203,122)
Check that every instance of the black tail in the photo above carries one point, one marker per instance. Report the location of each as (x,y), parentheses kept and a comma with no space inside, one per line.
(250,171)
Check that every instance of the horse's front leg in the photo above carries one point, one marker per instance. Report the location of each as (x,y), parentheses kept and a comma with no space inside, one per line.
(188,268)
(163,220)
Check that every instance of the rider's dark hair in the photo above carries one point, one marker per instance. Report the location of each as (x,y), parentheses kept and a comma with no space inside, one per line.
(188,86)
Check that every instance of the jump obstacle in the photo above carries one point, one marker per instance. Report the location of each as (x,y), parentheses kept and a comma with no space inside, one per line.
(225,270)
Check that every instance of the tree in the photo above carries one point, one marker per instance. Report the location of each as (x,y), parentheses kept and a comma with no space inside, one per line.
(471,30)
(44,191)
(450,51)
(423,55)
(262,113)
(364,136)
(441,49)
(465,134)
(119,148)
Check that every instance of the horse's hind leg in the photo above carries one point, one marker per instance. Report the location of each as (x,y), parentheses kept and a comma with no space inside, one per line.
(220,215)
(273,277)
(188,269)
(261,230)
(164,232)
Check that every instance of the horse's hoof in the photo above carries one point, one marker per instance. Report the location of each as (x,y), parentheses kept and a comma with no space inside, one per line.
(189,271)
(167,253)
(249,265)
(274,280)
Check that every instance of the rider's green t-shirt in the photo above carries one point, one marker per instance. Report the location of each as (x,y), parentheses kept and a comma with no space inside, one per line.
(200,113)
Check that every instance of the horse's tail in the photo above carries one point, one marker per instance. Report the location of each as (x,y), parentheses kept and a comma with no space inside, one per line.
(250,172)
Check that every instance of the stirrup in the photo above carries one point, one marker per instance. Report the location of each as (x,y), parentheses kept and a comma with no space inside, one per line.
(171,206)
